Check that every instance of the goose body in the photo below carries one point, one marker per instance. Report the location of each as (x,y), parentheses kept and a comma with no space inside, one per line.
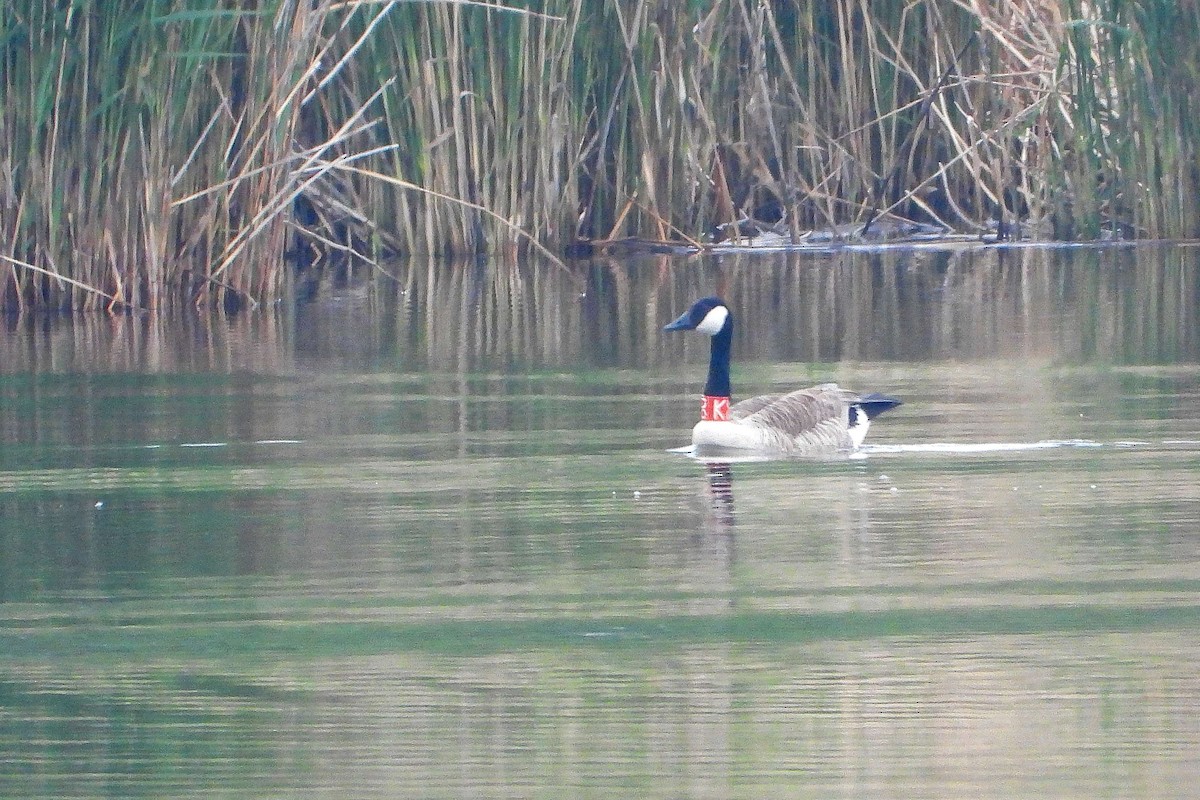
(820,419)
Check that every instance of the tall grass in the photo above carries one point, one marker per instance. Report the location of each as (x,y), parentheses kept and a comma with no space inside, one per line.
(182,149)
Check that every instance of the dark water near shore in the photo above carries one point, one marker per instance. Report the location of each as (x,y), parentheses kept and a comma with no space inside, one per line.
(428,539)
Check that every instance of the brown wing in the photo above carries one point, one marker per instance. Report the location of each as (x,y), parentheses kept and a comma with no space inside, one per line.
(800,412)
(751,404)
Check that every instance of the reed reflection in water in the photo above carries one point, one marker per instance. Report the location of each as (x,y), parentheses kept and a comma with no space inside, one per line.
(1123,304)
(435,544)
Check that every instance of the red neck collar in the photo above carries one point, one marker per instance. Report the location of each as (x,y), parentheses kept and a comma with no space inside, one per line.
(714,408)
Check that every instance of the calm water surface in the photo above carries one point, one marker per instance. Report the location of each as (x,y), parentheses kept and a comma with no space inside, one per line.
(429,539)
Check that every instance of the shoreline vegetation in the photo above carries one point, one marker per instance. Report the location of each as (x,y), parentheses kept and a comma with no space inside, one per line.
(206,152)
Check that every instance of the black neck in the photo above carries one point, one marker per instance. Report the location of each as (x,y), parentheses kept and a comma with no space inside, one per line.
(718,362)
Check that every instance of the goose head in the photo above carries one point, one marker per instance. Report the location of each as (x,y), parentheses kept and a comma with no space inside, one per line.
(709,315)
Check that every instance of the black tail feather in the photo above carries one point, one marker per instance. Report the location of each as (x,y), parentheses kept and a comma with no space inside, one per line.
(874,404)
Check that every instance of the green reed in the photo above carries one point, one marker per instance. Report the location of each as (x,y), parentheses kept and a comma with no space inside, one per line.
(192,150)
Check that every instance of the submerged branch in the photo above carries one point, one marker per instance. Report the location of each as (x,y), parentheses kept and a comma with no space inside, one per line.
(112,299)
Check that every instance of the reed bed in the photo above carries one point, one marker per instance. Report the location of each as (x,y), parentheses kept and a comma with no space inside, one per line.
(208,151)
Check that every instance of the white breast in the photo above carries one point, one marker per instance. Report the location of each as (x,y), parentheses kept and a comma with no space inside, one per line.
(715,438)
(709,436)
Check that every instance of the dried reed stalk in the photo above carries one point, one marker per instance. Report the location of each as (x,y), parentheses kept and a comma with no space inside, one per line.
(159,151)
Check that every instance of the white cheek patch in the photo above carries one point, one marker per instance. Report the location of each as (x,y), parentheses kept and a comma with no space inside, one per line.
(713,321)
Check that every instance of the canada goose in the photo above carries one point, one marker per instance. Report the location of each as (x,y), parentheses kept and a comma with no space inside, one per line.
(821,419)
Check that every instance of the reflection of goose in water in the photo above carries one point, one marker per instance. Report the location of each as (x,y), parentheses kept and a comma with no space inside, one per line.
(706,572)
(719,492)
(822,419)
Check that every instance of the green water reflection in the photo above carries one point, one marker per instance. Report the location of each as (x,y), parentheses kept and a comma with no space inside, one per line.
(429,539)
